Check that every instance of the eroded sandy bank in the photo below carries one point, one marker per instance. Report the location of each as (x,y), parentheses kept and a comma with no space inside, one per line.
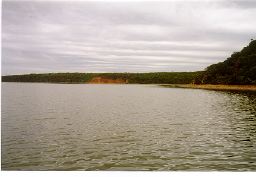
(101,80)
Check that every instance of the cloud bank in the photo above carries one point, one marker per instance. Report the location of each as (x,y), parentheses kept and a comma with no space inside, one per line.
(137,36)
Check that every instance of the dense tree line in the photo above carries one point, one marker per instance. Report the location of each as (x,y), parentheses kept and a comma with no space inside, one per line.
(139,78)
(49,77)
(239,68)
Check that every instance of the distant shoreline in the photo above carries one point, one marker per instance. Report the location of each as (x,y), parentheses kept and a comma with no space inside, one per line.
(213,87)
(186,86)
(117,78)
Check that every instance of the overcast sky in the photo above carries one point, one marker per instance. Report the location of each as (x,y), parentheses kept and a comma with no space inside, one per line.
(138,36)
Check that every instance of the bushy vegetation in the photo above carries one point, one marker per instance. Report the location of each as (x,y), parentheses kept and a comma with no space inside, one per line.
(163,77)
(50,77)
(139,78)
(239,68)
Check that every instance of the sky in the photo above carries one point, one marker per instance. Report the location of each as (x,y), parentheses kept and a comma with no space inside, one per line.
(43,36)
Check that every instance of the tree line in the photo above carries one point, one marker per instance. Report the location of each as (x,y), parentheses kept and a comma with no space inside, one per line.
(135,78)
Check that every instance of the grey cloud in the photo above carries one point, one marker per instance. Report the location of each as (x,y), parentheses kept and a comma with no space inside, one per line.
(122,37)
(243,3)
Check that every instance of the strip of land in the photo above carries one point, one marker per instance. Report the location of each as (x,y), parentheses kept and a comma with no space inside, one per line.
(100,80)
(107,78)
(213,87)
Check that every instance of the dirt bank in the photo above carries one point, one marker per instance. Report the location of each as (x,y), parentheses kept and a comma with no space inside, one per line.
(101,80)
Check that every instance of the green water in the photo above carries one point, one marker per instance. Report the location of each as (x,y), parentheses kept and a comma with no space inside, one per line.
(126,127)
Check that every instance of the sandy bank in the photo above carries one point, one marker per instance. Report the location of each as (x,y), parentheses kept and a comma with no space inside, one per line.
(213,87)
(101,80)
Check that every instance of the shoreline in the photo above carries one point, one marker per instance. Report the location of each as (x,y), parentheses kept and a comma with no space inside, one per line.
(213,87)
(185,86)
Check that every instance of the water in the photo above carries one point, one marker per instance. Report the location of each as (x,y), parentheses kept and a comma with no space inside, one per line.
(126,127)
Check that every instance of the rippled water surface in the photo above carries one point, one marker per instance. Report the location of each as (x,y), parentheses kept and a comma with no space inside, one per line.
(126,127)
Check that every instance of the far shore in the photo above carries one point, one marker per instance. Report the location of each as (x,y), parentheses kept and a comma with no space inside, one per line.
(186,86)
(213,87)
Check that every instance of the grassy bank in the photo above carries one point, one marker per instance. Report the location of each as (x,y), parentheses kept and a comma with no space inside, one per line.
(214,87)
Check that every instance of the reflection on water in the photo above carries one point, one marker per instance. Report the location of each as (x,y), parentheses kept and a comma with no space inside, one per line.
(126,127)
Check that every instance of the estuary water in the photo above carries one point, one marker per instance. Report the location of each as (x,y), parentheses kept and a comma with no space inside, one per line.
(126,127)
